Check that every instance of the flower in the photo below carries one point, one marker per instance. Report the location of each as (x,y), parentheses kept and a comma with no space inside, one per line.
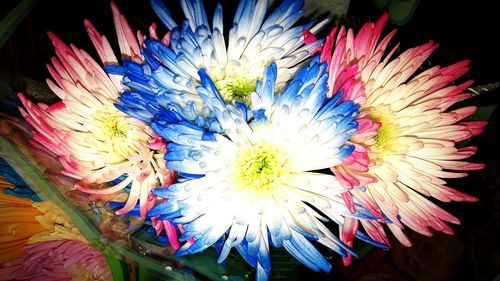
(413,149)
(58,260)
(95,142)
(26,222)
(58,224)
(257,178)
(39,241)
(169,78)
(17,223)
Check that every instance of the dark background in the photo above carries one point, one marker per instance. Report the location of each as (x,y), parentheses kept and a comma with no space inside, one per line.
(464,29)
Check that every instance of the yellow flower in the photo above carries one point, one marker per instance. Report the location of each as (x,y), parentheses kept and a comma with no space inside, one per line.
(57,223)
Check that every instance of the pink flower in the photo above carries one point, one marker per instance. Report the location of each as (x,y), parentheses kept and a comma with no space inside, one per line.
(58,260)
(96,143)
(406,143)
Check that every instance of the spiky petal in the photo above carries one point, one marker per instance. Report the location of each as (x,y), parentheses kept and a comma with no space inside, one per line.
(169,74)
(252,181)
(58,260)
(413,149)
(96,143)
(23,222)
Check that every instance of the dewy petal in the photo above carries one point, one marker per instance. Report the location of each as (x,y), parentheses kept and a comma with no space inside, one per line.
(256,38)
(409,144)
(253,180)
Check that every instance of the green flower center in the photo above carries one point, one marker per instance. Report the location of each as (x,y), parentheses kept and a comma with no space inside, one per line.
(383,134)
(261,168)
(236,89)
(386,138)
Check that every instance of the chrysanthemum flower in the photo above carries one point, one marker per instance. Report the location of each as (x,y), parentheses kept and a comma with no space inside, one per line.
(256,181)
(97,143)
(413,150)
(169,74)
(58,260)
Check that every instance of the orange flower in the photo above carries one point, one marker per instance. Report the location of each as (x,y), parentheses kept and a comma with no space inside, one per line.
(17,223)
(23,222)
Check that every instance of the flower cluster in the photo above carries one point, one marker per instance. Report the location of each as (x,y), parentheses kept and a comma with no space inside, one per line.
(39,241)
(264,140)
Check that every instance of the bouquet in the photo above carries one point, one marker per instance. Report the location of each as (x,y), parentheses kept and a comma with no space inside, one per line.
(210,150)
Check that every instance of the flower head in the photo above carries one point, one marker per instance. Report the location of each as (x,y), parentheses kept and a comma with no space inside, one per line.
(413,150)
(26,222)
(96,143)
(169,74)
(256,179)
(58,260)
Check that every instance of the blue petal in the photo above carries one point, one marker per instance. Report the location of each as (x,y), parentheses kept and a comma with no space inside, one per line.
(163,13)
(304,252)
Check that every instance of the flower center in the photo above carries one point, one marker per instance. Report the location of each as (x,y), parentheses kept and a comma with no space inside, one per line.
(115,127)
(115,131)
(261,168)
(386,138)
(236,88)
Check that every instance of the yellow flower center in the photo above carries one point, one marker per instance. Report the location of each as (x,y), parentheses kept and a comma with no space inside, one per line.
(387,134)
(261,168)
(236,88)
(115,128)
(115,134)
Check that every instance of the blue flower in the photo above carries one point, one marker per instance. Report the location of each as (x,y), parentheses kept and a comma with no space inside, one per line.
(252,183)
(164,86)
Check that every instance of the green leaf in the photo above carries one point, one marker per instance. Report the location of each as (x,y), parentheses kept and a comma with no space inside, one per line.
(14,18)
(144,274)
(380,3)
(401,10)
(205,263)
(364,250)
(119,269)
(483,113)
